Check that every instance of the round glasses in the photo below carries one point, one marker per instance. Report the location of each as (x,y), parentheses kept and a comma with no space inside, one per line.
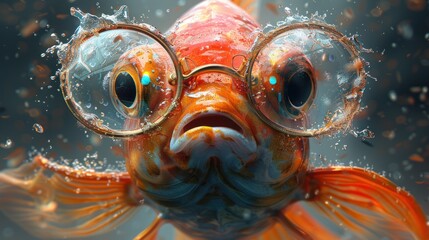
(304,79)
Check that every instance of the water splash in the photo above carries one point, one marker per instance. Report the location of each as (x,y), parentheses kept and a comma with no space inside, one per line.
(292,18)
(88,23)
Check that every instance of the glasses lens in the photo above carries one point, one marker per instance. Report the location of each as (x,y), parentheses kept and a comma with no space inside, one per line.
(120,82)
(307,81)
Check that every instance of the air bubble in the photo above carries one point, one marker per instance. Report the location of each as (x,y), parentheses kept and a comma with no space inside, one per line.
(392,95)
(288,12)
(38,128)
(159,13)
(8,144)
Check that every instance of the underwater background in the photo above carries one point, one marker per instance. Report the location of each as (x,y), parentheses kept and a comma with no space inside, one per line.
(34,117)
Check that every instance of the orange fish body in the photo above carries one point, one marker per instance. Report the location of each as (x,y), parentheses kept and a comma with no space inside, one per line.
(212,168)
(218,168)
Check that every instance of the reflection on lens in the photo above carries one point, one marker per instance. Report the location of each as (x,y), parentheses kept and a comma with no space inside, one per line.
(125,89)
(117,81)
(304,80)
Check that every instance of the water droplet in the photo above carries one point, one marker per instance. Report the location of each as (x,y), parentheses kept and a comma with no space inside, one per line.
(288,11)
(77,190)
(38,128)
(159,13)
(8,144)
(364,134)
(392,95)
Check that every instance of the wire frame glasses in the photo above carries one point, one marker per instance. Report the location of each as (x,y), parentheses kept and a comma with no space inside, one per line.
(304,79)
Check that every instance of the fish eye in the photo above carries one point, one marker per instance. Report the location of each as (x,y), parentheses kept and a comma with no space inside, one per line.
(306,80)
(127,94)
(139,83)
(291,86)
(298,88)
(116,81)
(125,89)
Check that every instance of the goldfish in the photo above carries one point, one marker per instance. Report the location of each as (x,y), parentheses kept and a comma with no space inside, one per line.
(215,117)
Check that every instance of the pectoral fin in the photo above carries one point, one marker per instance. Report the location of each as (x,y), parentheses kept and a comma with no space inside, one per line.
(53,201)
(151,232)
(353,203)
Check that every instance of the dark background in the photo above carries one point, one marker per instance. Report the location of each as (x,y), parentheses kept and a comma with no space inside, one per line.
(396,102)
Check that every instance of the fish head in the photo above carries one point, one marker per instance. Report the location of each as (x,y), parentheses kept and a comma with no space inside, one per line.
(213,145)
(215,113)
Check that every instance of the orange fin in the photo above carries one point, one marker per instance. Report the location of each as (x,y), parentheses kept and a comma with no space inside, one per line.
(53,201)
(250,6)
(151,232)
(354,203)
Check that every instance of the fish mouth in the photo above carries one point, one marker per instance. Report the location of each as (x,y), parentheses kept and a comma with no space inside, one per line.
(213,120)
(212,127)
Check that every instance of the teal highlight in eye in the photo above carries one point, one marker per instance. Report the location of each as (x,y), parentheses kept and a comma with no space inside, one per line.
(273,80)
(145,79)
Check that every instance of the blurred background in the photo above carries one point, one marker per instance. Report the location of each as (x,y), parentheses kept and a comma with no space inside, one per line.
(34,118)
